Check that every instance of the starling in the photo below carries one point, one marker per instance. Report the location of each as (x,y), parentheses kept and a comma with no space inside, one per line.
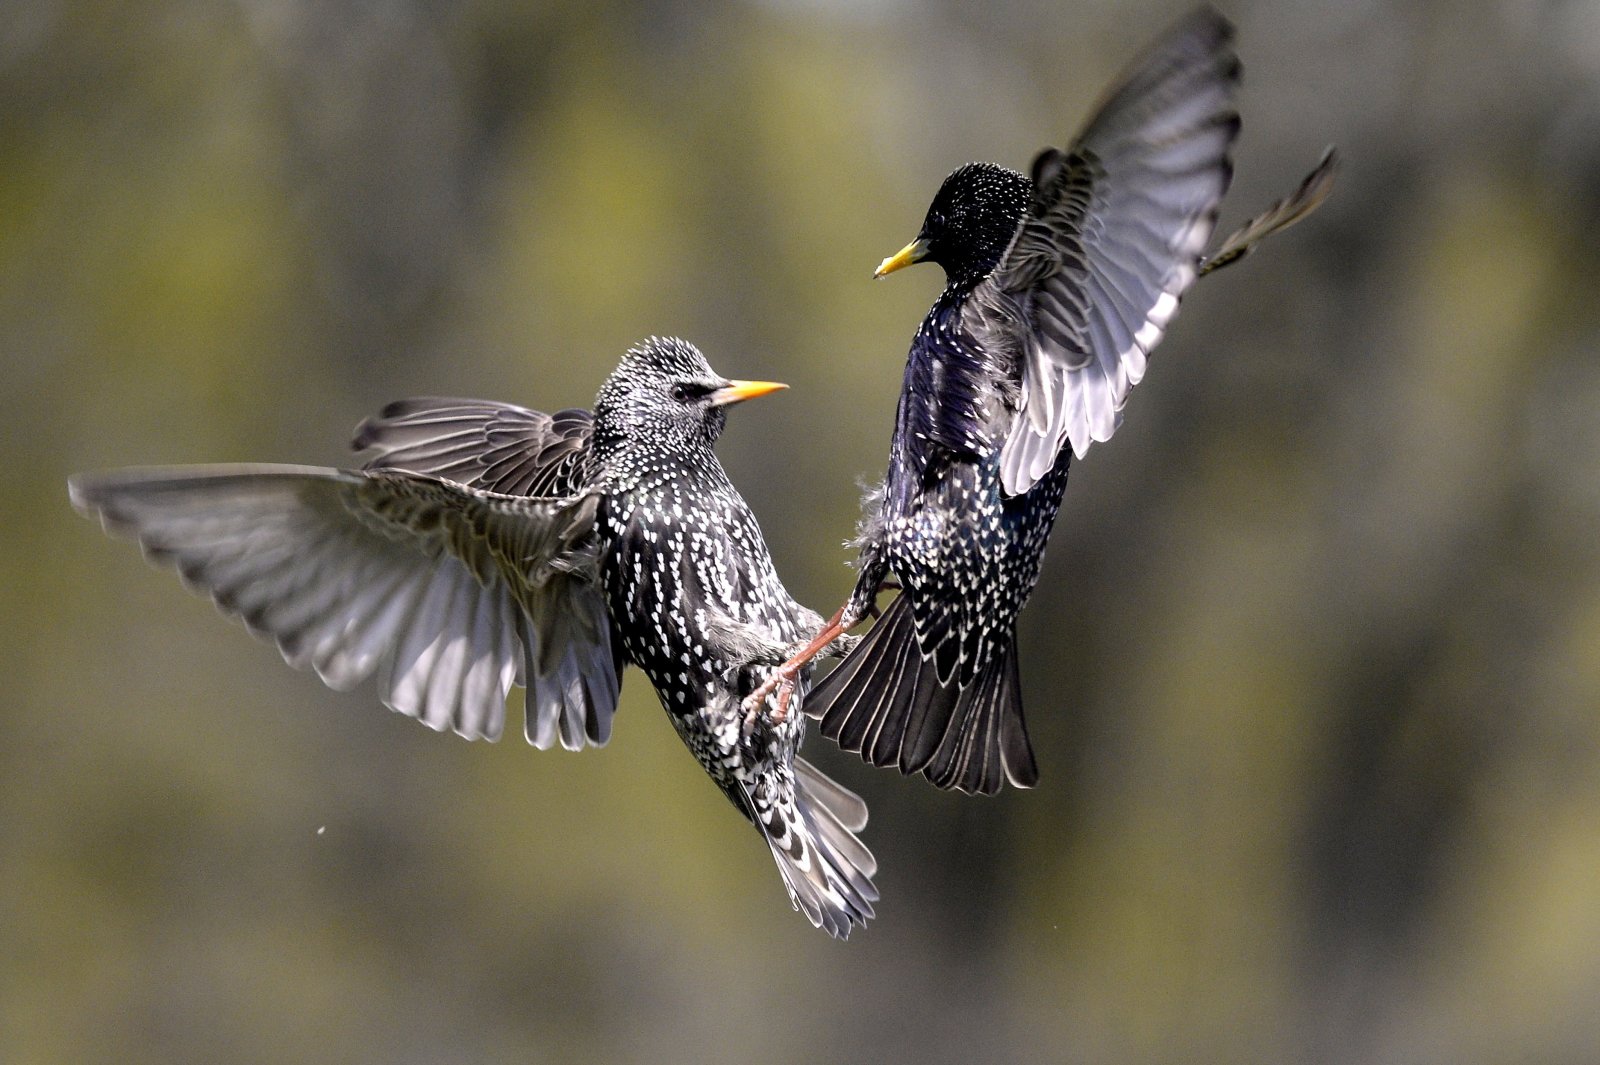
(1058,287)
(485,545)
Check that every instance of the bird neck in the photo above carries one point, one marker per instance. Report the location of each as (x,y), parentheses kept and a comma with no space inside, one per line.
(632,465)
(959,282)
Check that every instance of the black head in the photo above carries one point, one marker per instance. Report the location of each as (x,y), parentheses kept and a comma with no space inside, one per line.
(969,224)
(664,393)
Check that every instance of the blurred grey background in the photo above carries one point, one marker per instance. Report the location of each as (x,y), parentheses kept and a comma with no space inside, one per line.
(1313,671)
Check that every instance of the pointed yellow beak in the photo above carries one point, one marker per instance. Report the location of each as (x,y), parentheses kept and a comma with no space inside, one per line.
(739,391)
(914,252)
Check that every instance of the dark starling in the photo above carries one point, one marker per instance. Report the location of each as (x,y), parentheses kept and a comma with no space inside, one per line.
(486,545)
(1058,287)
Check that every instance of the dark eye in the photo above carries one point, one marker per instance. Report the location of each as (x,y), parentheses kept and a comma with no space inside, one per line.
(682,392)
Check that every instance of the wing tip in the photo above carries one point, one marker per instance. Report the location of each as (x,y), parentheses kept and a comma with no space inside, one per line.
(78,492)
(1208,22)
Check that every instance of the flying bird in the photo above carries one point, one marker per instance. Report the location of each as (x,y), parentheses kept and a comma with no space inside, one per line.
(485,545)
(1058,286)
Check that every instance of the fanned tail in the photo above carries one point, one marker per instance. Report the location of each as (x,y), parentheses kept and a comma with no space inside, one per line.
(885,702)
(827,870)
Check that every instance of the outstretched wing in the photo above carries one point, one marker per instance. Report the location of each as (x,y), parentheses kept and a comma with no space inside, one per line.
(1110,242)
(455,592)
(498,447)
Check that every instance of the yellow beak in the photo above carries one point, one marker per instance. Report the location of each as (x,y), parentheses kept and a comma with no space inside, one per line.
(739,391)
(914,252)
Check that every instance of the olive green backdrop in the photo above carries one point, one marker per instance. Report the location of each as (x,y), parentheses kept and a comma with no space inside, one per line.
(1313,670)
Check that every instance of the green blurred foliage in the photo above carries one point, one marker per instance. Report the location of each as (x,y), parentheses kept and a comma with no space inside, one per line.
(1314,669)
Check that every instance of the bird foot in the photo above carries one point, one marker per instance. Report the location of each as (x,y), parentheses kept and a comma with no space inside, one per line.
(780,713)
(782,679)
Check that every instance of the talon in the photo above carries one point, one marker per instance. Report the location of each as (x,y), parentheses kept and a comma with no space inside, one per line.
(781,714)
(783,677)
(753,701)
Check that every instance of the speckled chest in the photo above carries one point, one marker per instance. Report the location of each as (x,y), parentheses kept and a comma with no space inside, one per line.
(686,556)
(969,555)
(944,499)
(952,404)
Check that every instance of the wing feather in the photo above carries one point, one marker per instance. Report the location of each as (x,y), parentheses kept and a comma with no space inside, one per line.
(1110,242)
(443,588)
(496,447)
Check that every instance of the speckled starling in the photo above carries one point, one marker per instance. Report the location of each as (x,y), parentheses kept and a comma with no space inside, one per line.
(486,545)
(1058,287)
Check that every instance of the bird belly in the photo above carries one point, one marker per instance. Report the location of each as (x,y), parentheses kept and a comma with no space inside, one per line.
(675,591)
(968,559)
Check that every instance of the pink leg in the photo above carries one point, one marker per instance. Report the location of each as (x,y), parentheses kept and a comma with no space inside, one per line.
(785,674)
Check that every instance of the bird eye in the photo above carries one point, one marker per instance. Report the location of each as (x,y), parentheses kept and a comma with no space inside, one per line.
(681,392)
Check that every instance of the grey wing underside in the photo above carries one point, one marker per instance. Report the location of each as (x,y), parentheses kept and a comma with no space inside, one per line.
(498,447)
(451,594)
(1110,242)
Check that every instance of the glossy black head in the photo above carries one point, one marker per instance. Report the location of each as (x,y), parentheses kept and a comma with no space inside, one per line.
(664,394)
(970,222)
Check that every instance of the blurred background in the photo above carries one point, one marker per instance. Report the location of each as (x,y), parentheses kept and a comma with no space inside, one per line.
(1313,671)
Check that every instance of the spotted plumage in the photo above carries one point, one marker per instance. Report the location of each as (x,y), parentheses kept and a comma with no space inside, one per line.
(701,610)
(485,545)
(1059,284)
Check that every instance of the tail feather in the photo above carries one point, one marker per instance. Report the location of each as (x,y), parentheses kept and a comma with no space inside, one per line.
(845,805)
(827,870)
(860,731)
(917,705)
(885,702)
(938,709)
(985,744)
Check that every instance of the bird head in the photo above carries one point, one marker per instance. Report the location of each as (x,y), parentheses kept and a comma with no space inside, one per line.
(969,224)
(665,393)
